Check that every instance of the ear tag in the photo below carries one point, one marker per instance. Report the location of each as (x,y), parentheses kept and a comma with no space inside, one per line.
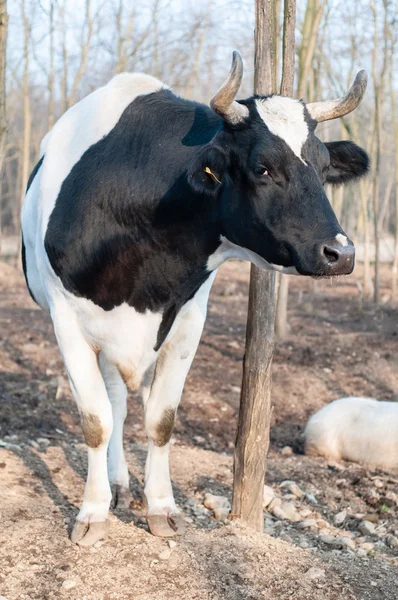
(207,170)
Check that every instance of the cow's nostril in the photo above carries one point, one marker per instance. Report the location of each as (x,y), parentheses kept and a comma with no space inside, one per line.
(331,254)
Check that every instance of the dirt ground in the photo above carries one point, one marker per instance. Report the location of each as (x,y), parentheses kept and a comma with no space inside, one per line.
(337,345)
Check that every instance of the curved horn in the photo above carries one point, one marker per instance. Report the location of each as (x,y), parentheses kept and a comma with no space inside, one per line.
(332,109)
(223,103)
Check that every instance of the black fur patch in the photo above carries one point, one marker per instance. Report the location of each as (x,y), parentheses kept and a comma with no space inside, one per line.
(127,226)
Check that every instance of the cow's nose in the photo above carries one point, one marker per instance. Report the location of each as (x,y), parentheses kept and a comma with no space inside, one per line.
(336,258)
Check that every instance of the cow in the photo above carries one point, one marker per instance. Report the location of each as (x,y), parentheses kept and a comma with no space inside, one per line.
(362,430)
(137,199)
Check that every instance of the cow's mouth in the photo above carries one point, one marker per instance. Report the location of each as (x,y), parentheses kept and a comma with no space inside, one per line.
(327,260)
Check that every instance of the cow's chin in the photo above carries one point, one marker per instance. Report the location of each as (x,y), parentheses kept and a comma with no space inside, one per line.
(320,273)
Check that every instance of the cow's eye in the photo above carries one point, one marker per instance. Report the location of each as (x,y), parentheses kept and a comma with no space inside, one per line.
(261,171)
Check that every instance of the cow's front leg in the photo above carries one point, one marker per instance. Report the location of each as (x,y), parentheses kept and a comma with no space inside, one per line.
(172,366)
(96,417)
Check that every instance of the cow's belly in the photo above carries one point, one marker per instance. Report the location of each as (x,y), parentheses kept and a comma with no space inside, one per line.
(126,337)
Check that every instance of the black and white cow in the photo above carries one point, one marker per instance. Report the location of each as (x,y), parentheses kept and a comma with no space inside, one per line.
(138,197)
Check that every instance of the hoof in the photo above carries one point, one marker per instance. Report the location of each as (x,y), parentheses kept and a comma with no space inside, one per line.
(121,497)
(166,525)
(87,534)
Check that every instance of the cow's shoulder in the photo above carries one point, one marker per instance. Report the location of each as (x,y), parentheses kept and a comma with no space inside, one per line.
(82,126)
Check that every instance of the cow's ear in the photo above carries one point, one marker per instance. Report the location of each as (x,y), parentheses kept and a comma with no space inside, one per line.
(347,162)
(207,171)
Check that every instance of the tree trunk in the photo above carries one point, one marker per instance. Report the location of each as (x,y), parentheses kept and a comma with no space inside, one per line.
(26,107)
(3,120)
(255,408)
(395,131)
(51,71)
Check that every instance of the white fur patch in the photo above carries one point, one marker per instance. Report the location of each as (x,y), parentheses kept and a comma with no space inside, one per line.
(362,430)
(228,250)
(342,239)
(284,117)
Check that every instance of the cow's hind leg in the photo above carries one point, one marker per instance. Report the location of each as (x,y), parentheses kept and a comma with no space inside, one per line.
(172,367)
(89,389)
(117,465)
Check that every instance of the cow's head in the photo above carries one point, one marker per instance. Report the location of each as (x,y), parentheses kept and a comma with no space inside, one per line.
(267,168)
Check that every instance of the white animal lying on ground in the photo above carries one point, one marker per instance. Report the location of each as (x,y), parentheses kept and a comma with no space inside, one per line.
(361,430)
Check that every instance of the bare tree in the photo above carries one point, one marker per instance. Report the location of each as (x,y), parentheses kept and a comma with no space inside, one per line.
(3,46)
(378,83)
(51,68)
(25,154)
(394,118)
(87,32)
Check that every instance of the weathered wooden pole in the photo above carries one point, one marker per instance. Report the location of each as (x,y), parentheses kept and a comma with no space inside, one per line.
(255,404)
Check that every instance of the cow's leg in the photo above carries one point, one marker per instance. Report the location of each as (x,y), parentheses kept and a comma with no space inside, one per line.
(117,466)
(89,390)
(172,367)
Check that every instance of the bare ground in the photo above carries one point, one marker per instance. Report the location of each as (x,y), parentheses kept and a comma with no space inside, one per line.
(337,346)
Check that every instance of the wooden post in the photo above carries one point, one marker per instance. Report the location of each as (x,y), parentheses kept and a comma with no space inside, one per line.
(255,405)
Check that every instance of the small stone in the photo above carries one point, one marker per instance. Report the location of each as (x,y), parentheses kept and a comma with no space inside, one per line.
(372,497)
(345,542)
(165,554)
(44,441)
(290,511)
(268,496)
(304,545)
(279,513)
(350,534)
(366,528)
(68,584)
(268,530)
(34,444)
(380,546)
(221,514)
(371,517)
(381,531)
(286,537)
(322,523)
(172,544)
(307,524)
(315,573)
(377,483)
(392,541)
(287,451)
(306,512)
(292,487)
(276,502)
(212,501)
(340,518)
(390,495)
(367,546)
(311,498)
(327,539)
(361,553)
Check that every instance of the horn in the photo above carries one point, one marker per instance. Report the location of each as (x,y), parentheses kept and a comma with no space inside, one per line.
(223,103)
(333,109)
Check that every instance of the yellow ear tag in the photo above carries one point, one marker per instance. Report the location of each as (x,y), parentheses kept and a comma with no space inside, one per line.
(207,170)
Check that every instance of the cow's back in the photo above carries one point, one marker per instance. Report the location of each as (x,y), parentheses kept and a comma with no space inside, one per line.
(75,132)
